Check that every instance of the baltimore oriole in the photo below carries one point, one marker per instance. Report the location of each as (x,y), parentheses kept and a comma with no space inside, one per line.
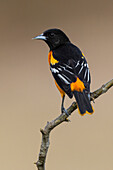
(69,69)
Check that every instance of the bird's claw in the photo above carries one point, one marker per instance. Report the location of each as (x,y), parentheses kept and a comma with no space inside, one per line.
(92,98)
(65,111)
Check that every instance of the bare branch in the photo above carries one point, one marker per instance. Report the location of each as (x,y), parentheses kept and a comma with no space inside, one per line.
(63,117)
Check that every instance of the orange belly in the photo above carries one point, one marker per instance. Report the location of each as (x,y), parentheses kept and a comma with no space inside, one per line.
(60,90)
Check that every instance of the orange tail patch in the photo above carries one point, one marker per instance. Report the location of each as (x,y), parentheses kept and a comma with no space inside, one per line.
(77,86)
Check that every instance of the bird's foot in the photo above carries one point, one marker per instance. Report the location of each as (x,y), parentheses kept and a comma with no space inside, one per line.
(63,110)
(92,98)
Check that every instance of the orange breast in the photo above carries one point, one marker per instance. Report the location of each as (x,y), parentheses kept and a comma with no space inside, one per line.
(53,61)
(49,57)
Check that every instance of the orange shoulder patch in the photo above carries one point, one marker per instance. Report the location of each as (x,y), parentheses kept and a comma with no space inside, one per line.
(77,86)
(51,59)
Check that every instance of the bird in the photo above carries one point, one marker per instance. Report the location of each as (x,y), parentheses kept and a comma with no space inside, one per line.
(69,68)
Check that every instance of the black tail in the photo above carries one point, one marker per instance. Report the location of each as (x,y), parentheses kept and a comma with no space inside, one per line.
(83,102)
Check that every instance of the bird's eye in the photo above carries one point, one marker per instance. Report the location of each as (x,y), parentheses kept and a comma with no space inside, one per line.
(52,34)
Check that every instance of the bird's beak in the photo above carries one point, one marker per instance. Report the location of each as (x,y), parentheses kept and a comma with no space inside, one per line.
(40,37)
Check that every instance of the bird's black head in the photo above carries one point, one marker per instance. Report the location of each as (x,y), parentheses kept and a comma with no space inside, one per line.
(53,37)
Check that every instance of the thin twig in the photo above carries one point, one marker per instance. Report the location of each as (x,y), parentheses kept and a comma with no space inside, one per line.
(63,117)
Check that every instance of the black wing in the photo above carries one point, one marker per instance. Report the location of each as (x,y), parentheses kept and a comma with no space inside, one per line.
(72,64)
(71,56)
(81,70)
(64,76)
